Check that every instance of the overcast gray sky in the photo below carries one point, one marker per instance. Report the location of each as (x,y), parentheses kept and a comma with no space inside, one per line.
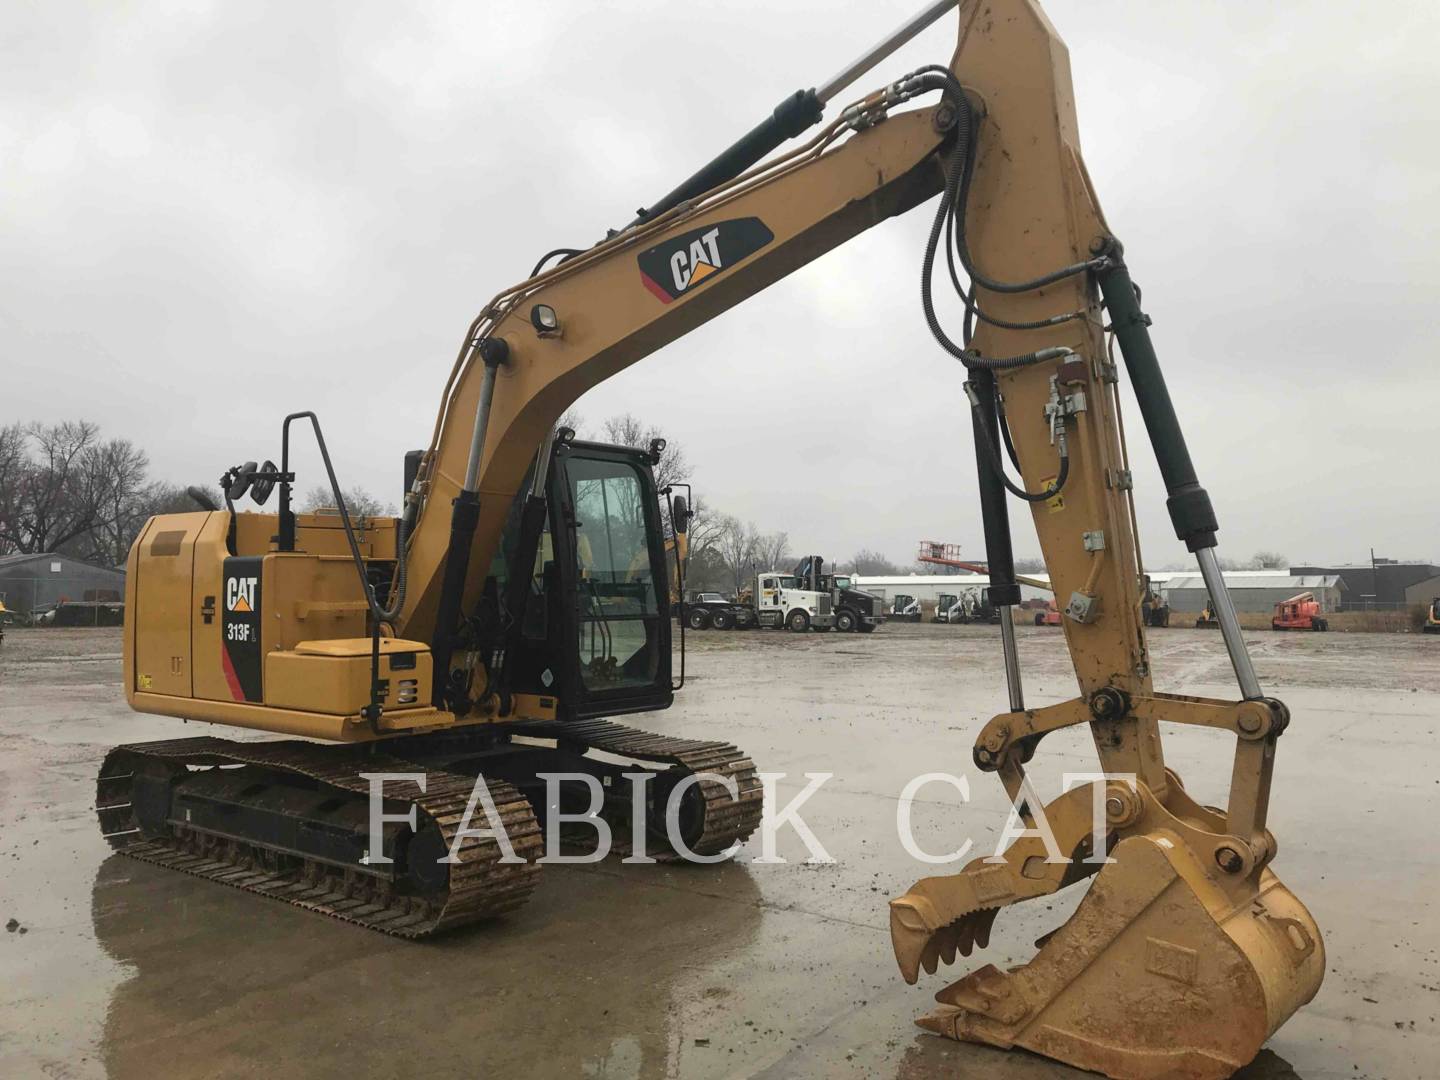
(212,214)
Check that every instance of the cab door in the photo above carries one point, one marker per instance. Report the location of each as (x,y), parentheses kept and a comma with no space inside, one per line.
(615,626)
(770,593)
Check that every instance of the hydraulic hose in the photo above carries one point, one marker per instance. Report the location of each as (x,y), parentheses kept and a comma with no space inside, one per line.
(951,203)
(949,221)
(564,252)
(992,454)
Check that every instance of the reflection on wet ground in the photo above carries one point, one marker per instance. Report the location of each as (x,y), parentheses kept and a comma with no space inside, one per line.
(745,969)
(217,980)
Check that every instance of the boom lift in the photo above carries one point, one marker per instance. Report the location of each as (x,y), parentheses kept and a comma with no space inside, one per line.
(942,554)
(1301,612)
(1186,953)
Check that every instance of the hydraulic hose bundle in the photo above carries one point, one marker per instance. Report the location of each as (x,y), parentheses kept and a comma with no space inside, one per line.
(949,222)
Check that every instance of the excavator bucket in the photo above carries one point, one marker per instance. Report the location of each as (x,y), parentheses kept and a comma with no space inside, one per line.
(1167,968)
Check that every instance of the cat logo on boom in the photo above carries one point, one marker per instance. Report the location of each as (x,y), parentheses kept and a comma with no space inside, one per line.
(683,262)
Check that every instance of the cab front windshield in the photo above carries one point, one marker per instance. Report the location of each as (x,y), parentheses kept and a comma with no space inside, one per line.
(617,600)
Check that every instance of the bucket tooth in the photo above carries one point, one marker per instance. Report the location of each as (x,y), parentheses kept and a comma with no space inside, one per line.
(941,1021)
(913,922)
(1164,970)
(963,906)
(988,992)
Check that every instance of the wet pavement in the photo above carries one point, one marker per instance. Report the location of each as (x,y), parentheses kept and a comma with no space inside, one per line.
(745,969)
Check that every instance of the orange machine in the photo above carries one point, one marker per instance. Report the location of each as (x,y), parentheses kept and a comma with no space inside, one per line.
(1049,615)
(1301,612)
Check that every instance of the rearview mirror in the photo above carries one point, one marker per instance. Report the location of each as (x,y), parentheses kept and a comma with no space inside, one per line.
(680,515)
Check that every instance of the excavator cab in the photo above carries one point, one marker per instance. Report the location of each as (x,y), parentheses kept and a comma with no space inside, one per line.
(597,618)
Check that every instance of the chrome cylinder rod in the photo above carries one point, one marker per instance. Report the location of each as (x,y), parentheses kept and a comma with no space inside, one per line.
(542,466)
(1012,659)
(482,424)
(1224,609)
(874,55)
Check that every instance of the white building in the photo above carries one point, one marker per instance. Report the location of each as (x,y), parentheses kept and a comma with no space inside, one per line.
(1184,590)
(927,587)
(1254,590)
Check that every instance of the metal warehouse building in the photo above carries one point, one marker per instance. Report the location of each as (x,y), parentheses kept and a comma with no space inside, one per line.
(1384,583)
(1423,592)
(41,581)
(1255,590)
(927,587)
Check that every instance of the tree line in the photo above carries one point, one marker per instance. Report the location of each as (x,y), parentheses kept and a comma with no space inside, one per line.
(67,489)
(64,488)
(725,550)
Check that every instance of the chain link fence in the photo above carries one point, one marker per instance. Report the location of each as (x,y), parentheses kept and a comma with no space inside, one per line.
(40,601)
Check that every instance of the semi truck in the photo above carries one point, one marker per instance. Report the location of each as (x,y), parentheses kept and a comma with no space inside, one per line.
(807,599)
(855,609)
(712,611)
(780,599)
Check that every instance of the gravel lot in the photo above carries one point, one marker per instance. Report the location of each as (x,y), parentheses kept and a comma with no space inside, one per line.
(743,969)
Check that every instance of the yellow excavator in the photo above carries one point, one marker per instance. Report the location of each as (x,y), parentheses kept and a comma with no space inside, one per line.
(475,637)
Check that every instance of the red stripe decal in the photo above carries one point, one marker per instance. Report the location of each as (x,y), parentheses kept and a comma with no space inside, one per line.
(236,690)
(655,288)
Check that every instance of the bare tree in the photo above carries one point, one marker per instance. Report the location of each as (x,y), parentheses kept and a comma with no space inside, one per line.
(117,470)
(163,498)
(572,419)
(868,561)
(772,550)
(110,542)
(628,430)
(54,485)
(705,527)
(359,503)
(1270,560)
(736,545)
(705,572)
(14,459)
